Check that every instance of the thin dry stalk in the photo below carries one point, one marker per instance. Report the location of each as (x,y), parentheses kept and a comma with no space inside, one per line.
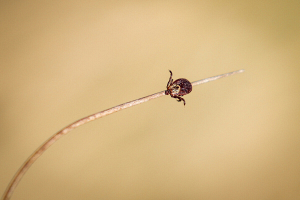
(37,153)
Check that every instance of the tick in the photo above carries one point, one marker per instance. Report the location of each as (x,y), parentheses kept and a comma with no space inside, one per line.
(178,88)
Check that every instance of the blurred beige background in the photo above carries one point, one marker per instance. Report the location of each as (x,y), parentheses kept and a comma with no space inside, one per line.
(237,138)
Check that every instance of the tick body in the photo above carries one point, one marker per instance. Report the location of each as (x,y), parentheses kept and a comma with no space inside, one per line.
(178,88)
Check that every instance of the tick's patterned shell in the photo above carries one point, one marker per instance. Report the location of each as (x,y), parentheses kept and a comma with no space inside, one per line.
(180,87)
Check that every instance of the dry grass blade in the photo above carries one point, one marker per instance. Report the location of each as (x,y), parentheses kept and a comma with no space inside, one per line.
(31,159)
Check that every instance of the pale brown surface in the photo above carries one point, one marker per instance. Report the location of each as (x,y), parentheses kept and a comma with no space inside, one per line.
(237,138)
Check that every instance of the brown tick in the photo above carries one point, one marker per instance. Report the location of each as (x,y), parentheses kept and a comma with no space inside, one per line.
(178,88)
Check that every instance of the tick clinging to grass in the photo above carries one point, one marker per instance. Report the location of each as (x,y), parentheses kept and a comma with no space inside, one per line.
(178,88)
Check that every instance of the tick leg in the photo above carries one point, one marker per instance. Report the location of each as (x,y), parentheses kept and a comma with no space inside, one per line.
(179,99)
(183,101)
(170,80)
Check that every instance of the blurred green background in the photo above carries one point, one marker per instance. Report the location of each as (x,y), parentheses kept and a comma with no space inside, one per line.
(236,138)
